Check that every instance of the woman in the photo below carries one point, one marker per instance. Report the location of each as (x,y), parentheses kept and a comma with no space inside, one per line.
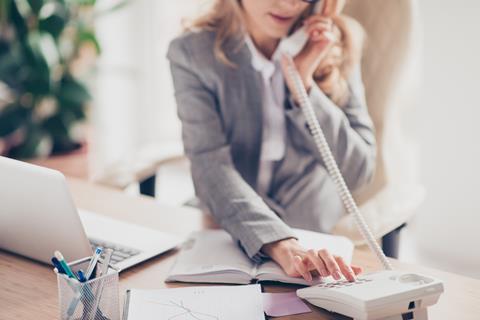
(252,158)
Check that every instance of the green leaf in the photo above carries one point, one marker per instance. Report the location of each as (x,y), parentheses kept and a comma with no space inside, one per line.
(4,10)
(53,18)
(72,94)
(58,129)
(115,7)
(56,126)
(36,143)
(19,22)
(36,5)
(24,8)
(11,61)
(48,49)
(89,36)
(82,2)
(38,81)
(12,117)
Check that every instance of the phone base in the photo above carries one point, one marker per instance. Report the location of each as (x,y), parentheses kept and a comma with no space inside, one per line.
(417,314)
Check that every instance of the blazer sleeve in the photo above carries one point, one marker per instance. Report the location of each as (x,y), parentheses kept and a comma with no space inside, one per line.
(348,130)
(233,203)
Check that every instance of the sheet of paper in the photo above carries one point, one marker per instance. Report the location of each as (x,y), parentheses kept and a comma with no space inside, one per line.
(197,303)
(283,304)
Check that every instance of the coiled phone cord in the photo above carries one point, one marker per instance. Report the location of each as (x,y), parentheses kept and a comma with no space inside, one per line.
(331,165)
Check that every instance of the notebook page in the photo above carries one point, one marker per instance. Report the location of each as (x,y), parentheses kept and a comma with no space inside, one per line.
(211,253)
(206,303)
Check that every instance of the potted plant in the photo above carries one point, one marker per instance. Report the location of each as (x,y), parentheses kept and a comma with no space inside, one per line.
(47,50)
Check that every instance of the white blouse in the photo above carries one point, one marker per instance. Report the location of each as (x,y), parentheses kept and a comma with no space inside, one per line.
(274,130)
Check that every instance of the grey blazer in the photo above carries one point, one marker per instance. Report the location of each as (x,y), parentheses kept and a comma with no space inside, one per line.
(220,109)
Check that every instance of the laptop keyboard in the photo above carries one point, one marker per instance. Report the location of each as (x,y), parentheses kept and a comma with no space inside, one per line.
(120,252)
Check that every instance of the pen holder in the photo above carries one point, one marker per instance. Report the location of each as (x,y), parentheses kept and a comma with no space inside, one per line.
(96,299)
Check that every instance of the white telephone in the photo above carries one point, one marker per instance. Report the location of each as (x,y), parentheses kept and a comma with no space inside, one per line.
(386,295)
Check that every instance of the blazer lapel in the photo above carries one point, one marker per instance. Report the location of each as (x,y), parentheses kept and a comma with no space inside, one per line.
(247,115)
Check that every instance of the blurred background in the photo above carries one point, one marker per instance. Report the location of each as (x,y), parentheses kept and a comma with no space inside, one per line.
(85,87)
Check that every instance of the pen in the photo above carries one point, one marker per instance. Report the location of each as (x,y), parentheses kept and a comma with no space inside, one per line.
(76,299)
(64,265)
(93,263)
(57,265)
(103,271)
(106,261)
(81,276)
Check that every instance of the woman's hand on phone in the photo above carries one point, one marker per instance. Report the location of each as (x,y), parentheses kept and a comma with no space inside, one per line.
(296,261)
(321,37)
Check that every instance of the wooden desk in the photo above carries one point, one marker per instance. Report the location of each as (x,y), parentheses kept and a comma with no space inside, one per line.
(28,290)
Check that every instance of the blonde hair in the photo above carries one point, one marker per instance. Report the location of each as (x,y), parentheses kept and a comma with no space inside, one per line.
(335,69)
(225,18)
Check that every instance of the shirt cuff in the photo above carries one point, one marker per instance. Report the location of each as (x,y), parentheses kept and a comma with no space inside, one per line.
(260,257)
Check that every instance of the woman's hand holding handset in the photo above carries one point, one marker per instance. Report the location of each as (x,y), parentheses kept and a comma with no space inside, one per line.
(296,261)
(321,37)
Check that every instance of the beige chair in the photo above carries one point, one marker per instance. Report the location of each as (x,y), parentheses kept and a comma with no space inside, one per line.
(389,64)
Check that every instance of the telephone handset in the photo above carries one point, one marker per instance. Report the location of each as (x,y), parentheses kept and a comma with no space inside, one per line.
(387,295)
(297,40)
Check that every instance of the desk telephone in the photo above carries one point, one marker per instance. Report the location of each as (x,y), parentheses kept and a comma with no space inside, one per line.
(385,295)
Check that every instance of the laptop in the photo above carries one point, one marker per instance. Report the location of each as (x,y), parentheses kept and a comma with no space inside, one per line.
(38,216)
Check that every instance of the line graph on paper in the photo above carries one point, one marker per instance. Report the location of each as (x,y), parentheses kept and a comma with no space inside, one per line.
(182,312)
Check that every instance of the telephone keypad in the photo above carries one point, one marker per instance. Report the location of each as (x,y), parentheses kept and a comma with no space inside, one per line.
(343,283)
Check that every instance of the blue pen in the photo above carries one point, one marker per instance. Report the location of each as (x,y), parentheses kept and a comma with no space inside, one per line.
(57,265)
(93,262)
(81,276)
(61,270)
(64,265)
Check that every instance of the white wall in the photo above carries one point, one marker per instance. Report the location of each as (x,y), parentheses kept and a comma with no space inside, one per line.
(134,102)
(446,232)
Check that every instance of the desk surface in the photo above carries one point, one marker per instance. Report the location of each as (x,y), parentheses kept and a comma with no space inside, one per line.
(28,290)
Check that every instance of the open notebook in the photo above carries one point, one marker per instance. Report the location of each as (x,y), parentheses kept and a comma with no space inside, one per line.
(211,256)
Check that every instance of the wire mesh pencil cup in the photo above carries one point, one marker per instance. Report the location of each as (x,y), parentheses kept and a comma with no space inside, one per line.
(96,299)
